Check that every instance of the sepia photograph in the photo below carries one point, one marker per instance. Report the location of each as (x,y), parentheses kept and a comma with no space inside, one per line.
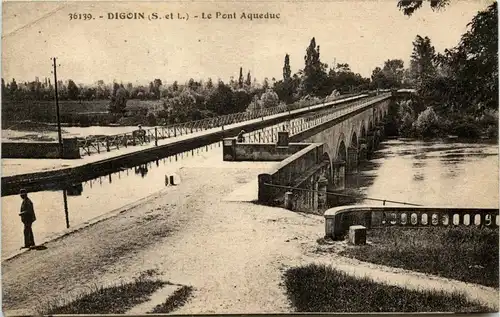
(255,157)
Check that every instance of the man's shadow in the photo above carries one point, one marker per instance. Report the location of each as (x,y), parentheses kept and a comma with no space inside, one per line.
(38,248)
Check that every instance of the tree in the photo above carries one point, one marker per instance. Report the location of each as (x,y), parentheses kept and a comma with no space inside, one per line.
(378,78)
(269,99)
(220,100)
(393,71)
(287,72)
(73,90)
(343,68)
(209,84)
(193,85)
(475,60)
(175,86)
(422,64)
(467,83)
(406,116)
(4,88)
(314,74)
(265,84)
(240,79)
(13,86)
(182,108)
(118,100)
(248,81)
(156,87)
(241,99)
(410,6)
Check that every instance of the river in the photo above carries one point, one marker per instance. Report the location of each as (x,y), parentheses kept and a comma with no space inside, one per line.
(432,173)
(427,173)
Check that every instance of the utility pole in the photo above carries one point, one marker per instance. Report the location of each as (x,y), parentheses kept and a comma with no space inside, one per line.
(59,134)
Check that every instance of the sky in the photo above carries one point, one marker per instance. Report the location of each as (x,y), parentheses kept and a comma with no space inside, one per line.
(361,33)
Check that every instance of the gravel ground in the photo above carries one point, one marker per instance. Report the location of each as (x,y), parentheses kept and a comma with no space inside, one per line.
(188,233)
(233,253)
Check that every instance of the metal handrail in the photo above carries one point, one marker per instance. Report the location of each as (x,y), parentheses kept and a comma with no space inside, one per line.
(91,145)
(298,125)
(341,195)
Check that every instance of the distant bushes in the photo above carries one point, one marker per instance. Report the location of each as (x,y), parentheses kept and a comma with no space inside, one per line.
(428,123)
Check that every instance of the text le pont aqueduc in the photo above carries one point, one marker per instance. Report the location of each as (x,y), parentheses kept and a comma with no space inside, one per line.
(176,16)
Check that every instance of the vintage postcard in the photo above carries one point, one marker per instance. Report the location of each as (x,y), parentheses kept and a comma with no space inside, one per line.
(224,157)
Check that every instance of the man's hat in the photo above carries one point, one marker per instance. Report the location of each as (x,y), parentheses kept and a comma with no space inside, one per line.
(23,191)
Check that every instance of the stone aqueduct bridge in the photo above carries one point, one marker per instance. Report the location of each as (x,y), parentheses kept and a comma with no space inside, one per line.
(345,126)
(315,153)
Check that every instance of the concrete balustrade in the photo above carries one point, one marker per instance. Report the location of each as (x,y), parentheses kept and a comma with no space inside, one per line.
(339,219)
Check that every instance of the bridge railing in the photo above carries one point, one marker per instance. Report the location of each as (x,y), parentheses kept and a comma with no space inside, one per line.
(295,126)
(91,145)
(339,219)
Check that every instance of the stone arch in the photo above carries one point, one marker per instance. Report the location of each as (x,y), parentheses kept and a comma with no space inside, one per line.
(375,116)
(341,154)
(339,165)
(354,140)
(362,130)
(328,172)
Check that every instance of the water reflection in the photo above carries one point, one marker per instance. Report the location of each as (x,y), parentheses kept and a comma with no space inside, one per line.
(141,170)
(430,173)
(64,205)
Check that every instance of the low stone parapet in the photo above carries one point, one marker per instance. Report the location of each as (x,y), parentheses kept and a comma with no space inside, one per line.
(236,151)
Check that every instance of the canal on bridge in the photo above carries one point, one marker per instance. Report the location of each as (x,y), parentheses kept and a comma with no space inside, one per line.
(96,197)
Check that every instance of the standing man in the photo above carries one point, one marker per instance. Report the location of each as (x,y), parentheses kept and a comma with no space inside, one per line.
(27,217)
(240,138)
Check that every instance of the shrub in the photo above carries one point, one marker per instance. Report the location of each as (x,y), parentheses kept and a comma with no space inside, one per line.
(466,130)
(151,119)
(406,125)
(269,99)
(427,123)
(492,131)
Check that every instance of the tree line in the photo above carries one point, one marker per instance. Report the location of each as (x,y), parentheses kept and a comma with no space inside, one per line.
(196,100)
(457,90)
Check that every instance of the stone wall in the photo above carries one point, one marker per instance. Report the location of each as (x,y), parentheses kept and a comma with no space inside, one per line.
(288,171)
(234,151)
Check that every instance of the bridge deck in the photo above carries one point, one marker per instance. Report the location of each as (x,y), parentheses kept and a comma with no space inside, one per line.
(14,167)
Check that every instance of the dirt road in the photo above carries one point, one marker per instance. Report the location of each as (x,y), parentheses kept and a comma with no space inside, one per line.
(230,252)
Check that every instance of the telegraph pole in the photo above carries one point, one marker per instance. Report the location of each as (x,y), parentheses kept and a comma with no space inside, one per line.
(59,134)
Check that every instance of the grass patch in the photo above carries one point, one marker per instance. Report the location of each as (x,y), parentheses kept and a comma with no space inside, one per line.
(467,254)
(178,299)
(109,300)
(318,288)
